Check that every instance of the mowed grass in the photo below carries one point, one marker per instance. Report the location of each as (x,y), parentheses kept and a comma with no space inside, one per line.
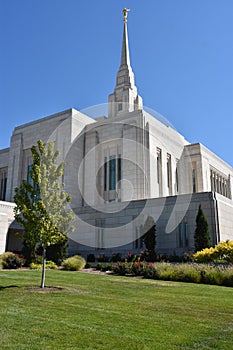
(111,312)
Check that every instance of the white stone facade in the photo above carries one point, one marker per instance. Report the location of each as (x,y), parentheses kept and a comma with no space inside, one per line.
(122,169)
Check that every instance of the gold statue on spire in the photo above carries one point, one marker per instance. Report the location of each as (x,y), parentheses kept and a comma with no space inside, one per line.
(125,13)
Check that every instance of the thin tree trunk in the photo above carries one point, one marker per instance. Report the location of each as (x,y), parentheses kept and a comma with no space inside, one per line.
(43,268)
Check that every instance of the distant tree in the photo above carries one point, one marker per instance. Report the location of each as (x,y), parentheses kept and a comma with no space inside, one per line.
(41,204)
(201,236)
(148,231)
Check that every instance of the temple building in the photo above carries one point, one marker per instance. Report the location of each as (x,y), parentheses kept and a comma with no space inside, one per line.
(120,169)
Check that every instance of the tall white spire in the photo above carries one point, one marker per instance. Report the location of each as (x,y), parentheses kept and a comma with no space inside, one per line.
(125,97)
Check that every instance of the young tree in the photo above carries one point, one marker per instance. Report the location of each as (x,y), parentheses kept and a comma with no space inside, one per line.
(149,234)
(41,204)
(201,236)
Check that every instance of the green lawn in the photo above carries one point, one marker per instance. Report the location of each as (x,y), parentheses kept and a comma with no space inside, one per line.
(110,312)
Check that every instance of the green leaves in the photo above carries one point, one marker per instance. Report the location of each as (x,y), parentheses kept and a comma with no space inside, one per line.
(41,207)
(201,236)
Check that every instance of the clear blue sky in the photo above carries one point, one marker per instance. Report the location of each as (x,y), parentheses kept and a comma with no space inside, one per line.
(57,54)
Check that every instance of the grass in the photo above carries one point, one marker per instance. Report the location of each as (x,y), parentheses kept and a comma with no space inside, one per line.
(110,312)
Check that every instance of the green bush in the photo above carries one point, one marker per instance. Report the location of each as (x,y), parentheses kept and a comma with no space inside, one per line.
(99,266)
(189,272)
(138,268)
(10,260)
(227,277)
(116,257)
(91,258)
(107,267)
(223,251)
(122,268)
(102,258)
(50,265)
(74,263)
(211,275)
(88,265)
(56,252)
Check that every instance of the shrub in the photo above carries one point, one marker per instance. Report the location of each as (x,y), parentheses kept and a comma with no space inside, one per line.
(102,258)
(201,235)
(211,275)
(10,260)
(122,268)
(227,277)
(222,251)
(99,266)
(150,271)
(206,255)
(148,256)
(91,258)
(192,272)
(188,256)
(88,265)
(116,257)
(138,268)
(57,252)
(107,267)
(50,265)
(187,273)
(74,263)
(132,257)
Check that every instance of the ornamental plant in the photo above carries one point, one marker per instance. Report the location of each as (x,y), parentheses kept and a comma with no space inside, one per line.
(42,203)
(223,251)
(201,236)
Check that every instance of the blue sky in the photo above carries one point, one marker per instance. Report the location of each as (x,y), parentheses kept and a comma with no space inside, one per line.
(58,54)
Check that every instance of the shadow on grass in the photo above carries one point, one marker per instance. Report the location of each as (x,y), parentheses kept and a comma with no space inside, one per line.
(6,287)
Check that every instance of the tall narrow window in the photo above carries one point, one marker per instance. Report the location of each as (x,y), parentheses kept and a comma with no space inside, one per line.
(159,165)
(119,176)
(3,183)
(29,179)
(181,235)
(186,235)
(194,180)
(112,173)
(169,174)
(119,161)
(159,171)
(105,173)
(177,181)
(4,188)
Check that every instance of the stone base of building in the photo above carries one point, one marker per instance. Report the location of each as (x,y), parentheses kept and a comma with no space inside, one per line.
(116,228)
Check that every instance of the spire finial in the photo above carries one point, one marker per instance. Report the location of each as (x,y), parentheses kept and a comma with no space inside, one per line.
(125,13)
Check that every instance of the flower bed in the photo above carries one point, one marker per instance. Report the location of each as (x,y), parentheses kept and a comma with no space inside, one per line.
(190,272)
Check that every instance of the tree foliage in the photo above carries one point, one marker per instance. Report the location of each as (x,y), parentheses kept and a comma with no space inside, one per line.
(223,251)
(201,236)
(41,202)
(148,231)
